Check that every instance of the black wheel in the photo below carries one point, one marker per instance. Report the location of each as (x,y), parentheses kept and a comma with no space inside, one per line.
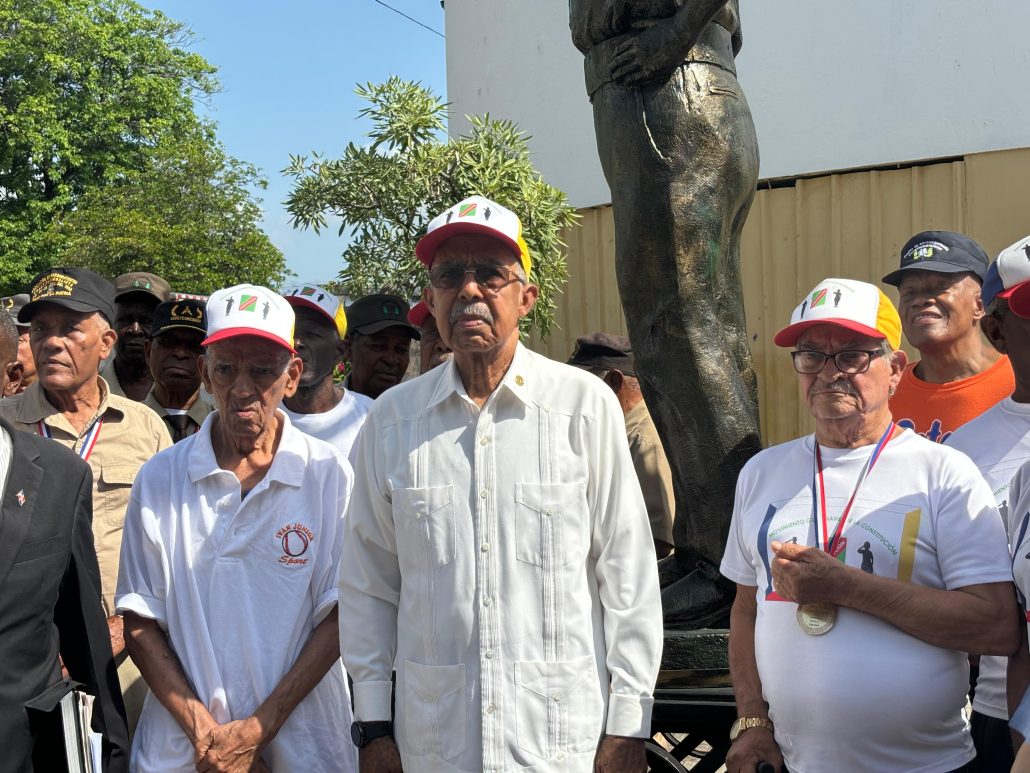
(660,761)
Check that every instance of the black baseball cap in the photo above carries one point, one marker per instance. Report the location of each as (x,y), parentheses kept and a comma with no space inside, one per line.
(373,313)
(13,304)
(78,289)
(944,251)
(187,314)
(604,350)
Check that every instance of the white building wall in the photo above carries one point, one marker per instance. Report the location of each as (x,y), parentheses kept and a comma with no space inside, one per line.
(832,85)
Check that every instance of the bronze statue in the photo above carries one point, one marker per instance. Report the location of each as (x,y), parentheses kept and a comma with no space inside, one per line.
(679,151)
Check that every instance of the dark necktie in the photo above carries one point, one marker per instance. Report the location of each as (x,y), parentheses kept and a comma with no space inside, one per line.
(179,423)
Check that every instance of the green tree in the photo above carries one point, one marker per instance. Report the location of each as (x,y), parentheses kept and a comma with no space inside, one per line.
(88,90)
(386,192)
(187,216)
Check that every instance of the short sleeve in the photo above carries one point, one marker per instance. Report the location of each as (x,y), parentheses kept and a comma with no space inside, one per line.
(142,569)
(735,564)
(972,547)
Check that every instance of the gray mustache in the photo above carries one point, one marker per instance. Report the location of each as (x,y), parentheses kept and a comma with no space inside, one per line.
(844,387)
(477,309)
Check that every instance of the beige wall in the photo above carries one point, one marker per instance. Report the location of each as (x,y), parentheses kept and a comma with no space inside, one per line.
(849,225)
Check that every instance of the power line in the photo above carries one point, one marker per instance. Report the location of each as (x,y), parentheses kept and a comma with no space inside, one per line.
(416,21)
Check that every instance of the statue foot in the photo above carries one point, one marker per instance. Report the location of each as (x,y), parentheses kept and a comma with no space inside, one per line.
(671,569)
(700,599)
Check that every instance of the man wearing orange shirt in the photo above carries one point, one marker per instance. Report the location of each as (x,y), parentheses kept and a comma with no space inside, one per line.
(958,375)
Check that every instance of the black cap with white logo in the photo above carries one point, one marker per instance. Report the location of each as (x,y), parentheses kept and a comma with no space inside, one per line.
(946,252)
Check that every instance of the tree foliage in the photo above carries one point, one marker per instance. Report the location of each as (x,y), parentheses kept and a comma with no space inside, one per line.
(93,93)
(386,192)
(187,216)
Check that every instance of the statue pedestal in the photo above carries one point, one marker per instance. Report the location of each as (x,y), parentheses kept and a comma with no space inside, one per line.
(695,658)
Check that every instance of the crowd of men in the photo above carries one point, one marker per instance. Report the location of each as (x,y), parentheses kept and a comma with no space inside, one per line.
(257,566)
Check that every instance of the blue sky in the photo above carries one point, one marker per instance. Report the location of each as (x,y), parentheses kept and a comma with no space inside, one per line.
(288,71)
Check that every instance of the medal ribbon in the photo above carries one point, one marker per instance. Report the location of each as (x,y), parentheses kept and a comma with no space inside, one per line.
(822,528)
(89,439)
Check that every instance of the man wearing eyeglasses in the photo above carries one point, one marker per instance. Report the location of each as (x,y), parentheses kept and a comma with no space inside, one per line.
(498,551)
(868,562)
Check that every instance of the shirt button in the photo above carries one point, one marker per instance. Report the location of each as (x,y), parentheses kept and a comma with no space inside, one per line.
(549,511)
(483,441)
(557,698)
(485,547)
(489,654)
(483,493)
(487,601)
(559,756)
(490,709)
(418,516)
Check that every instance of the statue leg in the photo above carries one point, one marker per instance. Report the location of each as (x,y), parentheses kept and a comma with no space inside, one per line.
(681,158)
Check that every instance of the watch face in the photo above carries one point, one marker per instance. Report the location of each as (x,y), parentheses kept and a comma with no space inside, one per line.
(356,734)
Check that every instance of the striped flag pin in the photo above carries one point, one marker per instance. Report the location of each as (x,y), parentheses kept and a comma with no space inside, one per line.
(20,496)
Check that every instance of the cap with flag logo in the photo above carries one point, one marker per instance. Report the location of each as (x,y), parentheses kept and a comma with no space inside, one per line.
(475,215)
(1009,278)
(311,296)
(846,303)
(249,310)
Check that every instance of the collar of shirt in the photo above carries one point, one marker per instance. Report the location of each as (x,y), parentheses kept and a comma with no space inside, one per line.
(515,380)
(34,407)
(288,465)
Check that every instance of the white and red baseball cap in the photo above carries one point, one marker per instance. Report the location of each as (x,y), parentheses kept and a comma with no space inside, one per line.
(249,310)
(1007,274)
(846,303)
(311,296)
(475,215)
(419,314)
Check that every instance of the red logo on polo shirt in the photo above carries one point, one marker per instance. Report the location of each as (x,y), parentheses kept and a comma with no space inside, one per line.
(295,538)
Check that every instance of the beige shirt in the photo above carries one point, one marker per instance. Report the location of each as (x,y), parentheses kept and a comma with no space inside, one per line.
(196,412)
(130,435)
(652,470)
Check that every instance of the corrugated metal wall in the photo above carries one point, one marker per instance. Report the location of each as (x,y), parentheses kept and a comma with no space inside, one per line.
(850,225)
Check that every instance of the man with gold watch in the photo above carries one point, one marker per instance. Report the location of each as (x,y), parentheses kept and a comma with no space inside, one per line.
(868,561)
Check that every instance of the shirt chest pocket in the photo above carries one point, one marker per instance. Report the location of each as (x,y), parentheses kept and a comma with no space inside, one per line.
(114,486)
(552,523)
(424,520)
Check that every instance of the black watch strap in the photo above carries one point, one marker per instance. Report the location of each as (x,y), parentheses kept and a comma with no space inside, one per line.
(363,733)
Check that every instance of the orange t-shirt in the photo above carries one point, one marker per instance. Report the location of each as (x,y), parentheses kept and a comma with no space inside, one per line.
(937,410)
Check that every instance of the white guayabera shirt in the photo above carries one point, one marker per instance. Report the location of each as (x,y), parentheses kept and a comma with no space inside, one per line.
(500,559)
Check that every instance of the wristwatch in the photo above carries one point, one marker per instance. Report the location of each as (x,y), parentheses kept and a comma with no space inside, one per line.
(746,723)
(363,733)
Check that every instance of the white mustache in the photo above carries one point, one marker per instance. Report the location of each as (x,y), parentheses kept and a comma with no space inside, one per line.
(476,309)
(844,387)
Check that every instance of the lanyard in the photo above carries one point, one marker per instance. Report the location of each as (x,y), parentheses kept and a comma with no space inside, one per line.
(89,439)
(822,529)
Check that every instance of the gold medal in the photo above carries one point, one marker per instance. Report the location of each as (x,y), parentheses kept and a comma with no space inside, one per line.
(817,619)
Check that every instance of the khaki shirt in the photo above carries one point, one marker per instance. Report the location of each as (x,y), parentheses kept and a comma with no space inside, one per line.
(130,435)
(653,471)
(196,413)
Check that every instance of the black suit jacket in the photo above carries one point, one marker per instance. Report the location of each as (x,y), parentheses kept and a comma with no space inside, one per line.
(50,604)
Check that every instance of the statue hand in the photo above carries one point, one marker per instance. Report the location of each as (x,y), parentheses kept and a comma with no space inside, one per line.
(646,56)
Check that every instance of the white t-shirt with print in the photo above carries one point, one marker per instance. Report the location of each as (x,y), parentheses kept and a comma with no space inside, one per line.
(866,696)
(998,442)
(338,426)
(239,584)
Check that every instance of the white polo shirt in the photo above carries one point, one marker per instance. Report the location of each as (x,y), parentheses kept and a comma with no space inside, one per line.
(239,586)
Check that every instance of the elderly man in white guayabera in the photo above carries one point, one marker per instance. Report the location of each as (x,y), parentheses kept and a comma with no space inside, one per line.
(498,551)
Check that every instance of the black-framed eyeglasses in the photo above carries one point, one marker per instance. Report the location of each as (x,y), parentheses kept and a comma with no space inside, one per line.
(488,276)
(849,361)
